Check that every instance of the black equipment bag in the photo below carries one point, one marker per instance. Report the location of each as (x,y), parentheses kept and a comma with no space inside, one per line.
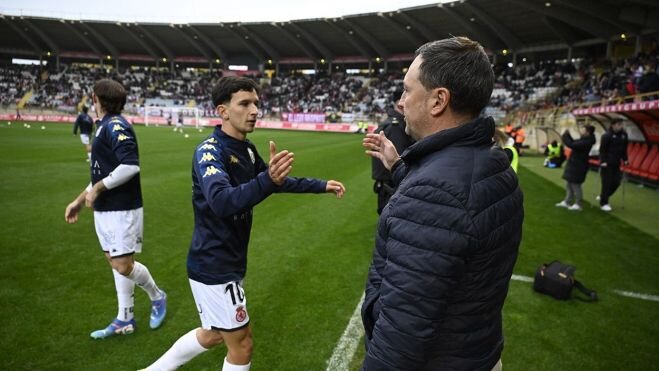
(557,280)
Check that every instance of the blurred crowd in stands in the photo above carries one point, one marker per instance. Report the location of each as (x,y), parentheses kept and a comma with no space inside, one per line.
(532,85)
(565,83)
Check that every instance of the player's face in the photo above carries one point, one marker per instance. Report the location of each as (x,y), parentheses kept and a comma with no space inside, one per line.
(415,101)
(239,115)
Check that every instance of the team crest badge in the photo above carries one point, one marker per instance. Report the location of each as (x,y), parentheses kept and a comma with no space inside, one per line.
(234,159)
(241,314)
(251,155)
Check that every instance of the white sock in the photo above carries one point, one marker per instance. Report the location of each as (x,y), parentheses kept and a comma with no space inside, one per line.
(231,367)
(183,350)
(125,296)
(89,155)
(141,276)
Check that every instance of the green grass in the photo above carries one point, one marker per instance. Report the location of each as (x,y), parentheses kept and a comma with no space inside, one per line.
(307,264)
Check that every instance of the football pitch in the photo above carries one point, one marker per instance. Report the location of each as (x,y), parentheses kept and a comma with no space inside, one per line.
(307,263)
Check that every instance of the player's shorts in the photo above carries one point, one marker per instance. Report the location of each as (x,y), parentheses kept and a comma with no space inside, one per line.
(120,232)
(221,307)
(84,138)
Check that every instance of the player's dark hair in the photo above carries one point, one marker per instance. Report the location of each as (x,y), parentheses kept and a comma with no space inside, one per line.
(111,95)
(224,89)
(85,109)
(460,65)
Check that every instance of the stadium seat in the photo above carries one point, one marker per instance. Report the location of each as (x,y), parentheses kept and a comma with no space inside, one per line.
(636,157)
(653,171)
(643,170)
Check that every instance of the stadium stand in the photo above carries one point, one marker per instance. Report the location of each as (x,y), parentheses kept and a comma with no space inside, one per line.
(556,65)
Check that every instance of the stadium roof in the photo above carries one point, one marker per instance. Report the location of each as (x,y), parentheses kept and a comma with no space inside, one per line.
(518,26)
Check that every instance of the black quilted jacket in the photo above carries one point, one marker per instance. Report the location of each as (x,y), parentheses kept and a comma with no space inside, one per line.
(445,249)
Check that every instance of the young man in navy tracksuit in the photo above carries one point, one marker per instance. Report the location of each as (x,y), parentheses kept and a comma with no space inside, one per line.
(228,179)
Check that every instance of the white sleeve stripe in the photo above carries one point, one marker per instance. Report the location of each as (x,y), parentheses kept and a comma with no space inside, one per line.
(120,175)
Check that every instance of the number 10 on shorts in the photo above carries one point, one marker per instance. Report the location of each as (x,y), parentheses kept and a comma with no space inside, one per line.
(236,291)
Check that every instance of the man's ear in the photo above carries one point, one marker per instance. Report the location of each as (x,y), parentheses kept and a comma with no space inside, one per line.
(221,110)
(440,98)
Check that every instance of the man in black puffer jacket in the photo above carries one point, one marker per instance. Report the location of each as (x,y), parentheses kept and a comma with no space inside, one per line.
(448,239)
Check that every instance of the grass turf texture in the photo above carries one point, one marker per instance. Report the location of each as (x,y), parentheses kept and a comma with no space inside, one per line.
(307,263)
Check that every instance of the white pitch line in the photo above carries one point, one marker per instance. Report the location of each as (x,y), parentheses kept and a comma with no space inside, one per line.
(517,277)
(345,348)
(629,294)
(637,295)
(347,344)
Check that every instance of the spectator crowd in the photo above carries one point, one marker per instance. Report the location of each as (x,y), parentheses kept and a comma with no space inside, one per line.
(532,85)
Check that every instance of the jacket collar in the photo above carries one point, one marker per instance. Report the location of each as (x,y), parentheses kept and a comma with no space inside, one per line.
(220,134)
(474,133)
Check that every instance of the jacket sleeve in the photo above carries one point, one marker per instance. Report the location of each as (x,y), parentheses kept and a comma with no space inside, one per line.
(624,150)
(425,261)
(292,184)
(398,172)
(302,185)
(124,143)
(582,143)
(222,197)
(76,125)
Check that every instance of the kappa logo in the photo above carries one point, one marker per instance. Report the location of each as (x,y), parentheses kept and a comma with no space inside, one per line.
(207,156)
(211,170)
(208,146)
(117,127)
(241,314)
(211,140)
(234,159)
(122,137)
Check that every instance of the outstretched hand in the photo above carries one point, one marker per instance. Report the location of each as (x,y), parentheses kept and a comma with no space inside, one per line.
(280,164)
(378,146)
(336,187)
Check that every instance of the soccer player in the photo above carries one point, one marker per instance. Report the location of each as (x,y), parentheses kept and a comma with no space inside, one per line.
(86,124)
(115,195)
(228,179)
(179,122)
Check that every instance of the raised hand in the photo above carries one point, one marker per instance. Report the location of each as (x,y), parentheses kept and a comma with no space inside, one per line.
(337,187)
(378,146)
(280,164)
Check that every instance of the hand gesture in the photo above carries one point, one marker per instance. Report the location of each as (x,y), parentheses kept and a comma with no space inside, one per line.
(378,146)
(336,187)
(72,211)
(280,164)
